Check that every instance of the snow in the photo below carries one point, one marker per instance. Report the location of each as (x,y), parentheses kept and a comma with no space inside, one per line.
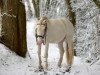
(12,64)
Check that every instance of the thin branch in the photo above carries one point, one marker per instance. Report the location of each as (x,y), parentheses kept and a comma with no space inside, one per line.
(36,7)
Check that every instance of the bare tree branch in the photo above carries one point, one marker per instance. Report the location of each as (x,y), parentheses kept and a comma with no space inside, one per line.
(36,7)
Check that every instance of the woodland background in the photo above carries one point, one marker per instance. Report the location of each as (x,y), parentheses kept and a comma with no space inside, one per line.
(17,40)
(84,14)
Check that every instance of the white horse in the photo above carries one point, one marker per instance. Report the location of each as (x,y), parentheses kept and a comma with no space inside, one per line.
(55,31)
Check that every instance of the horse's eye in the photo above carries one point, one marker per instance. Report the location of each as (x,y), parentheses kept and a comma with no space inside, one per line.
(37,24)
(43,25)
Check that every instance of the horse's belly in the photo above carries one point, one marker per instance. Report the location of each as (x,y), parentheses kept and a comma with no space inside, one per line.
(55,40)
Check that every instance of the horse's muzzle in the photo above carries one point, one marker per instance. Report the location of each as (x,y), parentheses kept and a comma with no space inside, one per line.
(39,41)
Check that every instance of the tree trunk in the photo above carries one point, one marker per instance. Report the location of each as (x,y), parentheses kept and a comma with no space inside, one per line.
(97,2)
(29,11)
(47,4)
(1,4)
(14,26)
(71,14)
(36,7)
(22,44)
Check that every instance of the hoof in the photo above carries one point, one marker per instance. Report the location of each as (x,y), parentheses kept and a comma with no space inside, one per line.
(59,66)
(46,66)
(41,68)
(68,69)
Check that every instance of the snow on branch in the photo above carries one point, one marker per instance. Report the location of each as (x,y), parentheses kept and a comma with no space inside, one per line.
(7,14)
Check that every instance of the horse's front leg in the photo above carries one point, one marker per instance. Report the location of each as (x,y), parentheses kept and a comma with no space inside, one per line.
(39,57)
(46,55)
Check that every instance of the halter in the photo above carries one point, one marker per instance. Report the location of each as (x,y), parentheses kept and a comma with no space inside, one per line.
(42,36)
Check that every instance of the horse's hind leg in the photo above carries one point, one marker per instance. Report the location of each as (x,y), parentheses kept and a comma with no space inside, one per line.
(61,51)
(39,57)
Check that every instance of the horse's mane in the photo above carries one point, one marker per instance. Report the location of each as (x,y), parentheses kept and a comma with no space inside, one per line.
(43,20)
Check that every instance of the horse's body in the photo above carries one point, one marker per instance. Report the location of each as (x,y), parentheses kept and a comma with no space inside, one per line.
(58,31)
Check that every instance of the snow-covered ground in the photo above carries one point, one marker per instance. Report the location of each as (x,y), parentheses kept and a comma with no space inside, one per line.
(12,64)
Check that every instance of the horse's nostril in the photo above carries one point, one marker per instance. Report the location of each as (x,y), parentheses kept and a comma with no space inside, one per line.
(39,39)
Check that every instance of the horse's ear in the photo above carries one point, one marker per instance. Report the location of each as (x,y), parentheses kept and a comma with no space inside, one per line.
(45,18)
(38,18)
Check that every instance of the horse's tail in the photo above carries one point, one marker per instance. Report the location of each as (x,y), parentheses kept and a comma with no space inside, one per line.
(69,58)
(67,54)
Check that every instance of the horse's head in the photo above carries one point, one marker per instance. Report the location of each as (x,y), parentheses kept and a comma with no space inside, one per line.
(41,29)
